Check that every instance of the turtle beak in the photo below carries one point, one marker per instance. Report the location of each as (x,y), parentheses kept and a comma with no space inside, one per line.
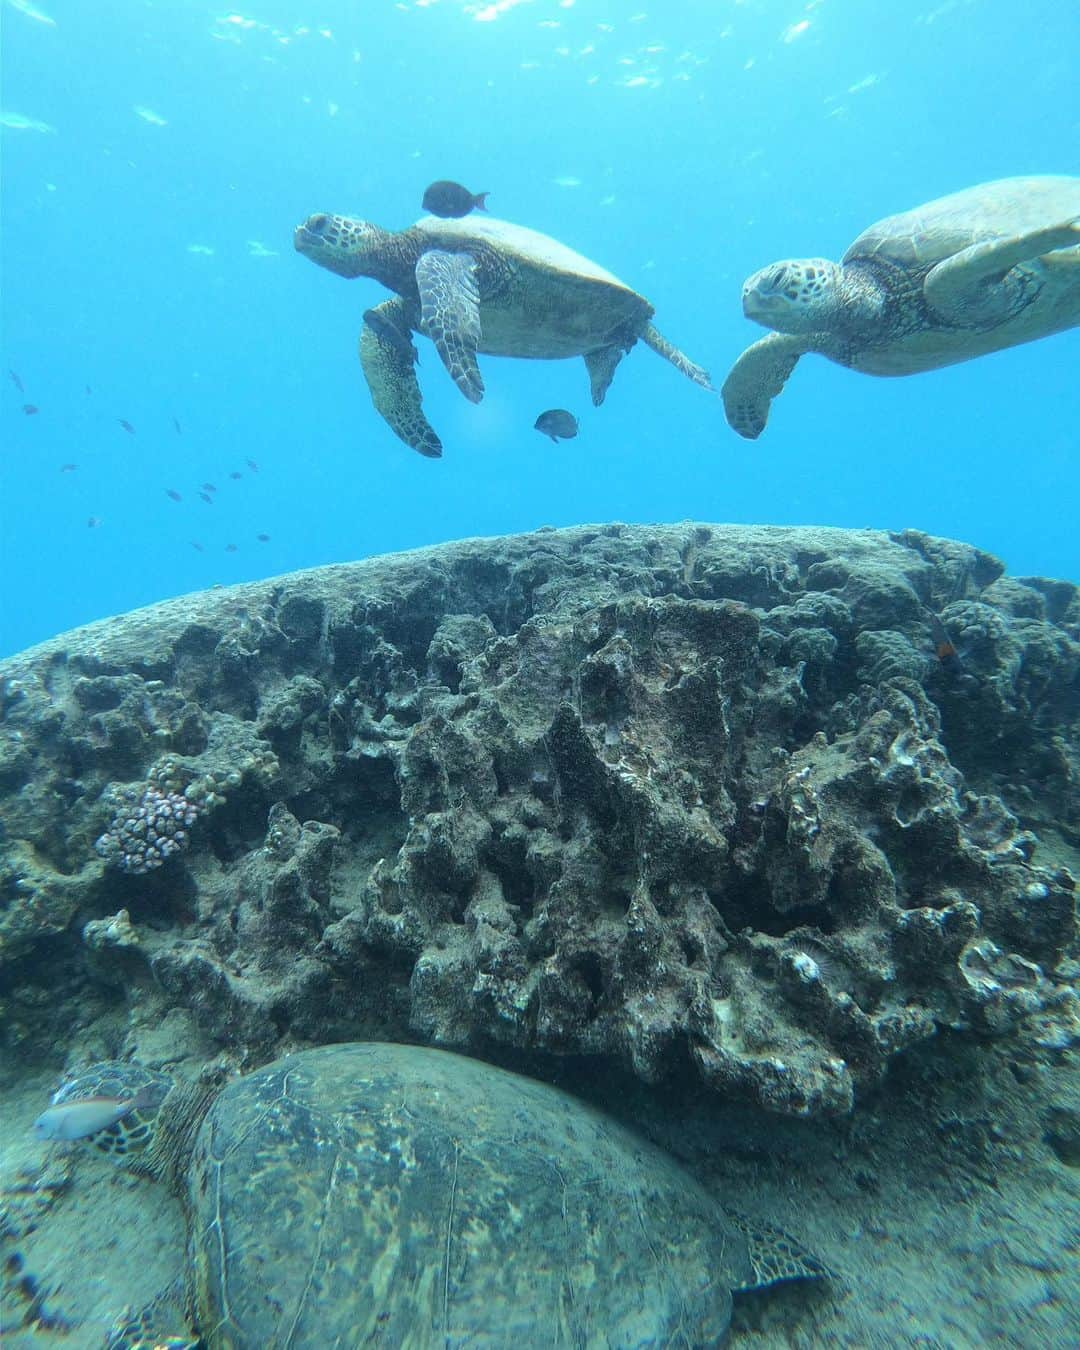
(310,233)
(758,302)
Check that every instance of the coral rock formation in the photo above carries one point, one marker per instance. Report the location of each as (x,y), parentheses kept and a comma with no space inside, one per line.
(770,805)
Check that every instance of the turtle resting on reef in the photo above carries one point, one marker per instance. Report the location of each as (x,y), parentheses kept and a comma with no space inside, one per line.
(990,267)
(472,286)
(394,1195)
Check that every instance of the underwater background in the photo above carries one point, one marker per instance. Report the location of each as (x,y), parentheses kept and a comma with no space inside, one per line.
(156,157)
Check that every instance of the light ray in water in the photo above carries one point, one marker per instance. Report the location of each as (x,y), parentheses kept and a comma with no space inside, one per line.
(32,12)
(17,122)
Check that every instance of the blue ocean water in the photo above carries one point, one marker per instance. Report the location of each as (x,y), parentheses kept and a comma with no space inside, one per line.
(158,153)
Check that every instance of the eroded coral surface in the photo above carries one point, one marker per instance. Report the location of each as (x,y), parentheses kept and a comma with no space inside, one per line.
(770,805)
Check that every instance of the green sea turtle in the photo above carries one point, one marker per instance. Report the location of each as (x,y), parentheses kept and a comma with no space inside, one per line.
(990,267)
(395,1195)
(485,286)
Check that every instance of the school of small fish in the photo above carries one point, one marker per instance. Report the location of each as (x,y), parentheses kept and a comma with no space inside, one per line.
(206,492)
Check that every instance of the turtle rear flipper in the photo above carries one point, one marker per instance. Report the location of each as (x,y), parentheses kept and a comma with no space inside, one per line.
(755,380)
(974,287)
(678,359)
(450,315)
(776,1256)
(601,365)
(390,372)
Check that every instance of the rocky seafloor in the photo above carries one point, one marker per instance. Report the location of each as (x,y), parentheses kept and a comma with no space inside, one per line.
(764,838)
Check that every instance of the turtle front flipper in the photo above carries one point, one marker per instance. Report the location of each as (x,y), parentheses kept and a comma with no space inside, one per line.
(755,380)
(388,364)
(987,283)
(158,1326)
(450,315)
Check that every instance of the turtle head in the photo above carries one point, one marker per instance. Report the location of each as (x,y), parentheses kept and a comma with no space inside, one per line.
(798,295)
(143,1119)
(351,248)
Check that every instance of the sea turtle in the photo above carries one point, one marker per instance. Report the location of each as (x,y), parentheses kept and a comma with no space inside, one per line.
(479,285)
(990,267)
(396,1195)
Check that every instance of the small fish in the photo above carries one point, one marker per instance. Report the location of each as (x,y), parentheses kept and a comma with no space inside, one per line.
(230,548)
(30,409)
(93,522)
(197,547)
(451,200)
(176,424)
(236,474)
(172,492)
(16,382)
(207,498)
(263,538)
(126,425)
(557,423)
(391,333)
(252,465)
(68,468)
(944,647)
(209,487)
(80,1119)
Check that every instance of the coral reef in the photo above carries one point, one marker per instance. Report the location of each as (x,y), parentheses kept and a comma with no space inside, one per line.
(151,827)
(764,806)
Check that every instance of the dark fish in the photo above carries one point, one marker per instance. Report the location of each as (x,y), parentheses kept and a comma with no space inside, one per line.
(93,522)
(209,487)
(206,497)
(230,548)
(68,468)
(557,423)
(451,200)
(176,424)
(252,465)
(263,538)
(16,382)
(236,474)
(391,333)
(30,409)
(944,648)
(172,492)
(197,547)
(126,425)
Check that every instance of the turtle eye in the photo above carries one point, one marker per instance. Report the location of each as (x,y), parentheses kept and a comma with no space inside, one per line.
(776,279)
(317,224)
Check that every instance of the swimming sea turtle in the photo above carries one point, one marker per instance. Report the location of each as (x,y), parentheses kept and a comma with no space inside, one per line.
(395,1195)
(472,286)
(990,267)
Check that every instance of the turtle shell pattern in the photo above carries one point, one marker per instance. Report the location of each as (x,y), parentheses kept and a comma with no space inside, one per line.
(918,239)
(552,301)
(370,1194)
